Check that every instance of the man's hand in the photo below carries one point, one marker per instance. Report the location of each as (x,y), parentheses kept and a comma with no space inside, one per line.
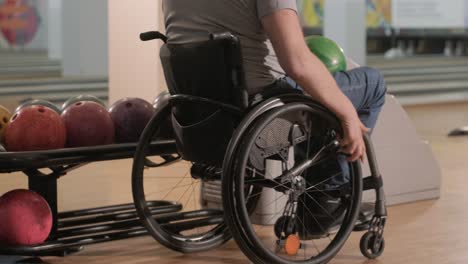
(353,139)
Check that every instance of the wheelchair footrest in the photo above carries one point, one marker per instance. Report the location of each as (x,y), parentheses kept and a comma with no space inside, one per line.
(366,214)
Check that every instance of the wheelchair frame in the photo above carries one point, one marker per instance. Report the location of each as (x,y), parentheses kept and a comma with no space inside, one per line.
(373,182)
(372,243)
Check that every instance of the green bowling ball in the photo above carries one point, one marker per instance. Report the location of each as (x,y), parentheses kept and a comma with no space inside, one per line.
(328,52)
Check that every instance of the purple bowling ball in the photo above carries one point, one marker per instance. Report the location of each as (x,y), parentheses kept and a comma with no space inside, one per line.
(88,124)
(130,116)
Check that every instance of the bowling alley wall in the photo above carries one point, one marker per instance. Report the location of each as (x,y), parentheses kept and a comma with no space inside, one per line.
(385,14)
(134,67)
(23,24)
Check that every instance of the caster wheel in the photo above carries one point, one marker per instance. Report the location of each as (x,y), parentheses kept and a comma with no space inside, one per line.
(292,245)
(369,248)
(281,226)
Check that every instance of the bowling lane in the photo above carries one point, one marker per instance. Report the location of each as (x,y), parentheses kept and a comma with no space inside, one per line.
(425,79)
(28,64)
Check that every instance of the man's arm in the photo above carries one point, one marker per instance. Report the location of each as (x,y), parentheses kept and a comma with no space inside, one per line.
(285,32)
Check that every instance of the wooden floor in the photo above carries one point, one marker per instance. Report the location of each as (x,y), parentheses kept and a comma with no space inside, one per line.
(423,232)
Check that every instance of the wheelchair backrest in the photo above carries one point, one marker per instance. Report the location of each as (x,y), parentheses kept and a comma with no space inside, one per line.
(213,70)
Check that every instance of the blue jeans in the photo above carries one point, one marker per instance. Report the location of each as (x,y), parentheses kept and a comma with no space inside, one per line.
(366,88)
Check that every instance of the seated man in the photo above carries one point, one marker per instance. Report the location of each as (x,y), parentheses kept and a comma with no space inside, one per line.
(273,47)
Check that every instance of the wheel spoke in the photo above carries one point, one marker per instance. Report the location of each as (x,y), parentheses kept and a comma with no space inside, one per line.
(265,182)
(320,205)
(312,215)
(313,242)
(167,190)
(324,181)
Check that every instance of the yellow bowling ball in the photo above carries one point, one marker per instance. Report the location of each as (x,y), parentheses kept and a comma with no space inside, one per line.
(5,116)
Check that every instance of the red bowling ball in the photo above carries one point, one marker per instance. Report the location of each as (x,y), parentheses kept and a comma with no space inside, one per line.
(88,124)
(35,128)
(130,116)
(25,218)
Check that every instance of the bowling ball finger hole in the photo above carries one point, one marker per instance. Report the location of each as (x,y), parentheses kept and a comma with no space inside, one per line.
(41,110)
(14,117)
(79,103)
(128,105)
(5,120)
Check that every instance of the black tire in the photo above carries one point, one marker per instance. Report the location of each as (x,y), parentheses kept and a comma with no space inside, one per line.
(238,216)
(207,234)
(368,247)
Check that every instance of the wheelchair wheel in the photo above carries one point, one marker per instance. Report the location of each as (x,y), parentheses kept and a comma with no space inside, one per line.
(313,202)
(193,227)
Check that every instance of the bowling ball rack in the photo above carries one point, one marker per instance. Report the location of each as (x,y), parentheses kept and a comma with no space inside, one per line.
(72,230)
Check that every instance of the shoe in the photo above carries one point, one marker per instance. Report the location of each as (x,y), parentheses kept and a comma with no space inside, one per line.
(318,215)
(366,213)
(321,225)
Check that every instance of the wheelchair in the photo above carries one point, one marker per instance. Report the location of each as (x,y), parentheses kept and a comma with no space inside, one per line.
(237,158)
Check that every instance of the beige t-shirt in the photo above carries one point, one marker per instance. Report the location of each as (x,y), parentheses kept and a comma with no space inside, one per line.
(193,20)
